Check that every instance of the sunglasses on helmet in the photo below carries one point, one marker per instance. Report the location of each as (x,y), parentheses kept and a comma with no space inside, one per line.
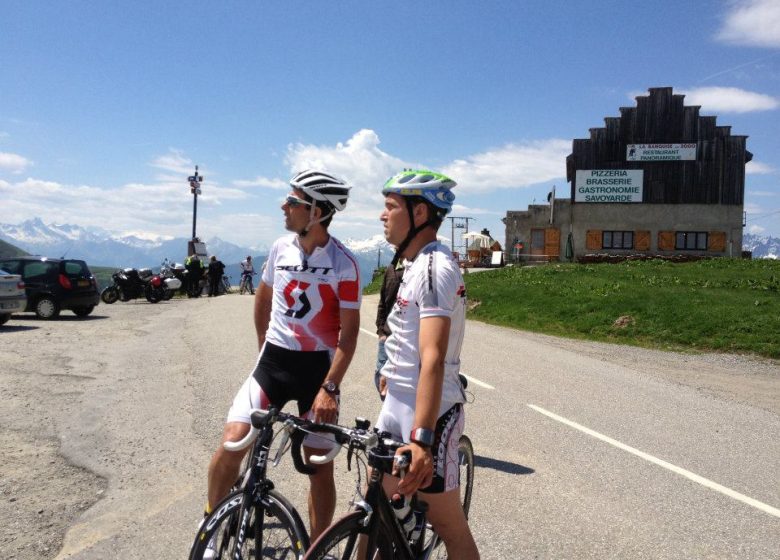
(294,201)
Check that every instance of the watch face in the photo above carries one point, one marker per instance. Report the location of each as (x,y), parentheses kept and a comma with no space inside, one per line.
(329,386)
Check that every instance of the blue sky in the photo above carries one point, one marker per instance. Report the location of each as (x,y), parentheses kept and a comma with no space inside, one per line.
(105,107)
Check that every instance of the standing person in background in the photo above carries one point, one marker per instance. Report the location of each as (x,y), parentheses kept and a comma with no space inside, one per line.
(307,319)
(247,271)
(387,295)
(194,267)
(216,270)
(424,401)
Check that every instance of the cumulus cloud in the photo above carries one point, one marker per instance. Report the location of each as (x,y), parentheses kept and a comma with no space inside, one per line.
(13,162)
(757,168)
(730,100)
(261,181)
(756,230)
(176,162)
(512,166)
(360,160)
(754,23)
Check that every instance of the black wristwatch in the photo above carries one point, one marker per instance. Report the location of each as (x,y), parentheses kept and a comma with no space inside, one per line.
(423,437)
(331,388)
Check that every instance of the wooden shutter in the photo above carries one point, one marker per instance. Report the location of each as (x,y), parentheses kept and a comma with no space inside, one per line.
(716,241)
(552,242)
(642,240)
(593,239)
(666,241)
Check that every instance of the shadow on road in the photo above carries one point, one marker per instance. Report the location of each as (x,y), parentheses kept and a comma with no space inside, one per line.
(499,465)
(16,328)
(63,317)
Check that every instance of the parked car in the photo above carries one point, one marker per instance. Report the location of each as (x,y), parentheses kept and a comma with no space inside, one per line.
(55,284)
(12,296)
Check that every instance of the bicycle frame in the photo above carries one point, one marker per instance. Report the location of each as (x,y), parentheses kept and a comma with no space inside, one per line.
(380,516)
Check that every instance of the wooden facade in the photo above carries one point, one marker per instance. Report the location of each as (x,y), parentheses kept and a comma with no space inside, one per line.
(717,176)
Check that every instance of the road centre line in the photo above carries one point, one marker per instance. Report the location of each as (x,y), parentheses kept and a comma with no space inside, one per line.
(473,380)
(661,463)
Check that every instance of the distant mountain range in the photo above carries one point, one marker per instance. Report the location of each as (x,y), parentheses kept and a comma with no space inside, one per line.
(103,248)
(762,246)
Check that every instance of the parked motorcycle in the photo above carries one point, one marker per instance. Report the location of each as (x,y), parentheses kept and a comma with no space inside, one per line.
(129,283)
(174,276)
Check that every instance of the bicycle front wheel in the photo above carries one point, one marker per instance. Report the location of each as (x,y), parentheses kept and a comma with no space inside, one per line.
(342,540)
(271,529)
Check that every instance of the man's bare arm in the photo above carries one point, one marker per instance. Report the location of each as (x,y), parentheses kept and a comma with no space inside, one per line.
(263,300)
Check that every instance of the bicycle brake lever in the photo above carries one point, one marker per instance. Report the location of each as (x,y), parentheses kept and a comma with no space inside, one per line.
(350,453)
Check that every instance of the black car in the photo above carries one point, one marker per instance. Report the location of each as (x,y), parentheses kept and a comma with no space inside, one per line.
(55,284)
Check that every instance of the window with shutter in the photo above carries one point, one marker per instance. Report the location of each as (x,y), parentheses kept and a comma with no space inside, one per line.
(717,241)
(666,241)
(593,239)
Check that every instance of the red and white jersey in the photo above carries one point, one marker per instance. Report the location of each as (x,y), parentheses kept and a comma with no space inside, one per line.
(431,286)
(308,293)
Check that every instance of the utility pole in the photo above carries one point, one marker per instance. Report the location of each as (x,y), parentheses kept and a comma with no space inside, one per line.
(195,181)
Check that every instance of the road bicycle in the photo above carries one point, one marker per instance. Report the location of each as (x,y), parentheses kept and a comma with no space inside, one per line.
(246,284)
(255,521)
(373,530)
(226,284)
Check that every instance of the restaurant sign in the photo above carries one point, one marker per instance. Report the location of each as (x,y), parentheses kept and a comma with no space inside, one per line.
(661,152)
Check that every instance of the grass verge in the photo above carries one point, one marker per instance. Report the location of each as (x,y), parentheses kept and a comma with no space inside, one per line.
(728,305)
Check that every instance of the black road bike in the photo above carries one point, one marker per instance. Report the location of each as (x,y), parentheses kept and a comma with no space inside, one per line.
(255,521)
(372,530)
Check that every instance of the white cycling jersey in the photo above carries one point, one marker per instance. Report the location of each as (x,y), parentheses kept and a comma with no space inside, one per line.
(247,267)
(308,293)
(431,286)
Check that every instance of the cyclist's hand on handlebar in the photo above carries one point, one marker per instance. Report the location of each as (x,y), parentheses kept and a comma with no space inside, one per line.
(420,471)
(325,407)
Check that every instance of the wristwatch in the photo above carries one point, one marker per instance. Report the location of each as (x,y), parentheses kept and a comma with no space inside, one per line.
(423,437)
(331,388)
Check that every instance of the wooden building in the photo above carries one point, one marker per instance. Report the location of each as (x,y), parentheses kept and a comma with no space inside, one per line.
(660,179)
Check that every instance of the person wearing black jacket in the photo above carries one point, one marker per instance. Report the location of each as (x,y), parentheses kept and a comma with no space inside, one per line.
(216,270)
(387,295)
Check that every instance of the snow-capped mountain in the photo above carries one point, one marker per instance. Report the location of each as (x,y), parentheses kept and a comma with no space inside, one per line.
(762,246)
(104,248)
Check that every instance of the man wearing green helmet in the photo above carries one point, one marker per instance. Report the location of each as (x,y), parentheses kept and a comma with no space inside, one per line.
(424,401)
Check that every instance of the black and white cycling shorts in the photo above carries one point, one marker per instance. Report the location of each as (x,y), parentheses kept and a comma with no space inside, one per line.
(397,417)
(281,376)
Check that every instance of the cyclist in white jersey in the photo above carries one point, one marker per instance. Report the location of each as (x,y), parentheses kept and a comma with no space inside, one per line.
(307,316)
(424,398)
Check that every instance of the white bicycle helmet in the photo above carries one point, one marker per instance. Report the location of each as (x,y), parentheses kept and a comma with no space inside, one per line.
(322,187)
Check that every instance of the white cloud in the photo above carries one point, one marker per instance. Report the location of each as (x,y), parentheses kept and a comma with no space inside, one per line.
(756,230)
(754,23)
(13,162)
(261,181)
(359,161)
(175,161)
(512,166)
(758,168)
(729,100)
(762,193)
(460,209)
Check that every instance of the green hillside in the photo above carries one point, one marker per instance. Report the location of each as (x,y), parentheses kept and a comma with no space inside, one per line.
(727,305)
(8,250)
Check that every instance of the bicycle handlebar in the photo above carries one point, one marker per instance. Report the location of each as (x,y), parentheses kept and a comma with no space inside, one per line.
(359,437)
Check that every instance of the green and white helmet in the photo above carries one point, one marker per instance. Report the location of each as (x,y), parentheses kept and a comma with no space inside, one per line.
(429,185)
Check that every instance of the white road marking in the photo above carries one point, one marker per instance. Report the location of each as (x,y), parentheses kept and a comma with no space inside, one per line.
(471,379)
(661,463)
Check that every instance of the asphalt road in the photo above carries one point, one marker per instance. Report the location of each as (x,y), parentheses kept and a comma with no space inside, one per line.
(583,450)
